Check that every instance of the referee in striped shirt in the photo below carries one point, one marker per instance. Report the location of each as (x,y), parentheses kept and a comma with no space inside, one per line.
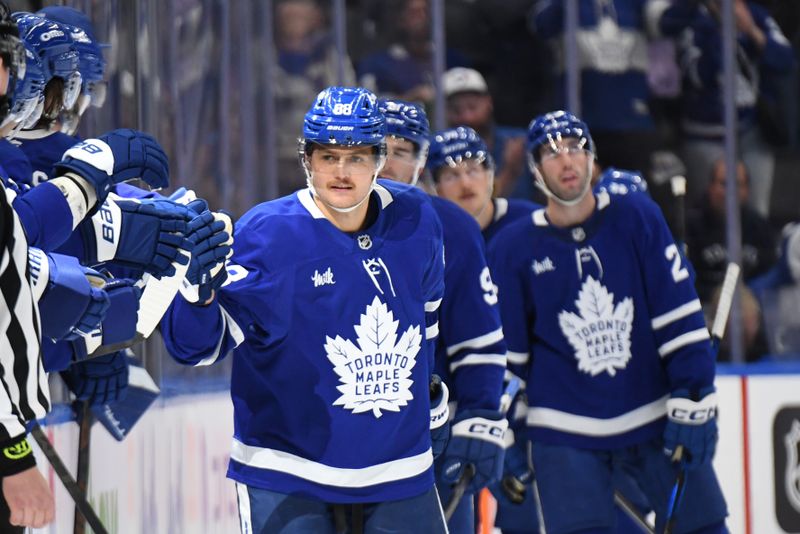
(24,393)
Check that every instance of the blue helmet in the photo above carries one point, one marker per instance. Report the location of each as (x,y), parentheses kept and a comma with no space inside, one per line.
(91,61)
(28,92)
(406,120)
(71,16)
(549,128)
(51,41)
(450,147)
(546,129)
(618,182)
(346,116)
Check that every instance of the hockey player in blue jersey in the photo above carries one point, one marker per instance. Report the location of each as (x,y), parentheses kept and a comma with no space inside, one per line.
(470,352)
(330,310)
(91,64)
(52,41)
(604,323)
(463,172)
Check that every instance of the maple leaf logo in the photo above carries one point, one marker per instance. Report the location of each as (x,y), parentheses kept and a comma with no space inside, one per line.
(601,334)
(375,373)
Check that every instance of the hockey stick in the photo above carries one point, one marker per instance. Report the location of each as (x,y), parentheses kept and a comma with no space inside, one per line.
(629,508)
(469,470)
(678,186)
(157,295)
(86,419)
(458,491)
(717,332)
(66,478)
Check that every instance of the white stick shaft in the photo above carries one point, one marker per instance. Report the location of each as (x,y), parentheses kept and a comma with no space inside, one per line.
(725,301)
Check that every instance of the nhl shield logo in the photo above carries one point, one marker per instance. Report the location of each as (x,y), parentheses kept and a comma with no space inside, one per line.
(791,474)
(786,474)
(375,372)
(365,242)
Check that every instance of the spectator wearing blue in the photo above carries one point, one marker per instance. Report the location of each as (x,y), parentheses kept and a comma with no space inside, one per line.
(469,103)
(307,63)
(612,42)
(763,56)
(404,70)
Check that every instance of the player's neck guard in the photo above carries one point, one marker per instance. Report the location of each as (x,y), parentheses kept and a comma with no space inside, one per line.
(422,158)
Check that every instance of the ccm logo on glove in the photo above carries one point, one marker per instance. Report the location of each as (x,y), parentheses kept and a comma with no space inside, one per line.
(690,412)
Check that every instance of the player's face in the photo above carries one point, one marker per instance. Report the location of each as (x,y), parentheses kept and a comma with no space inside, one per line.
(401,160)
(469,109)
(342,176)
(564,167)
(468,184)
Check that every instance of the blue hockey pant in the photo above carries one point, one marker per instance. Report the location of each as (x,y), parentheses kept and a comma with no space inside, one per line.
(576,488)
(268,512)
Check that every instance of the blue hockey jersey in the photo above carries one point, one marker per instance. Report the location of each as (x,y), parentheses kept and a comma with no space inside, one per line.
(334,337)
(612,52)
(603,321)
(506,211)
(15,162)
(44,149)
(470,351)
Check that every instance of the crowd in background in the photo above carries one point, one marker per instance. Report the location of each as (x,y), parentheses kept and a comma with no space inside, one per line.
(650,90)
(203,81)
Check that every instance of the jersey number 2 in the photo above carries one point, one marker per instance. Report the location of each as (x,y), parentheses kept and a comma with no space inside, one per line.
(678,272)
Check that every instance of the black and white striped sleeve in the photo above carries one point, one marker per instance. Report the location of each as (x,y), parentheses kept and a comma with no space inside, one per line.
(24,393)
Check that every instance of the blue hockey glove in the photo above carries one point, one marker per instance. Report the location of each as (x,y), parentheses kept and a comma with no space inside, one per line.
(517,475)
(440,415)
(477,438)
(692,425)
(211,246)
(139,234)
(115,157)
(96,307)
(69,295)
(119,323)
(99,380)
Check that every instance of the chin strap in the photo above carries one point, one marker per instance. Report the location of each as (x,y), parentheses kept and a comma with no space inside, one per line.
(542,185)
(310,184)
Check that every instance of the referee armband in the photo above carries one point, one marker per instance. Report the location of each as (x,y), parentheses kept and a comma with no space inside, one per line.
(16,456)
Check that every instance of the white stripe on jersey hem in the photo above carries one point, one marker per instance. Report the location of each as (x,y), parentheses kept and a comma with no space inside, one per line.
(597,427)
(432,305)
(339,477)
(477,342)
(480,359)
(701,334)
(678,313)
(517,358)
(432,331)
(245,515)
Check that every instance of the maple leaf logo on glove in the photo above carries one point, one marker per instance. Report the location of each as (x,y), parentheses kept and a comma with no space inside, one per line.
(375,375)
(601,334)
